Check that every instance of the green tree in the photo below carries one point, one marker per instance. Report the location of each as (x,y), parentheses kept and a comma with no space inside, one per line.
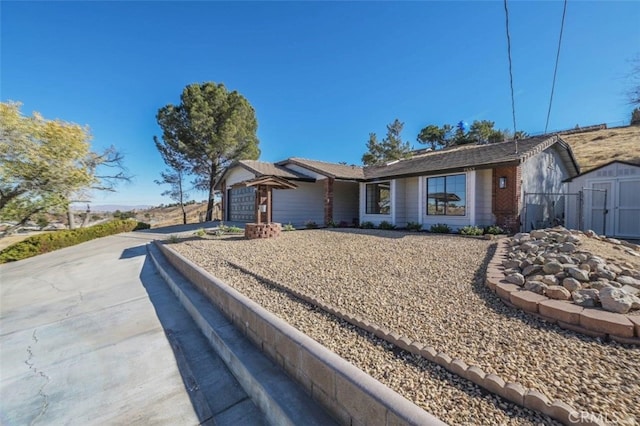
(174,157)
(437,137)
(635,117)
(483,131)
(389,149)
(46,164)
(211,128)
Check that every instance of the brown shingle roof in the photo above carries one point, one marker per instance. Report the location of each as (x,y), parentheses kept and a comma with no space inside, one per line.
(470,156)
(261,168)
(338,171)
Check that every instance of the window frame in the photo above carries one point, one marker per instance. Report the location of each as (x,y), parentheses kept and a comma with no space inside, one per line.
(444,190)
(369,203)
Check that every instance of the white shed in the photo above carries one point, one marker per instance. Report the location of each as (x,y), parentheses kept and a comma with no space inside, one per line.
(608,200)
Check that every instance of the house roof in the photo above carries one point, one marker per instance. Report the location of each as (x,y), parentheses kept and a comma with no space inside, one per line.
(261,168)
(273,182)
(333,170)
(473,156)
(602,166)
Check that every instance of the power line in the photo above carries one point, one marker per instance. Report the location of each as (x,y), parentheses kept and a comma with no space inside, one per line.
(555,70)
(513,102)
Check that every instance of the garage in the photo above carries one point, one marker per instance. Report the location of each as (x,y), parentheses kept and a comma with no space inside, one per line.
(611,203)
(242,204)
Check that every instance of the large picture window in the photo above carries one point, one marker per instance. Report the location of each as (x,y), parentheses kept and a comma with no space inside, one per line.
(447,195)
(378,198)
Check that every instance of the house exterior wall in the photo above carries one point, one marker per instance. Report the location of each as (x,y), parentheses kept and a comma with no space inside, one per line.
(400,216)
(345,201)
(300,205)
(238,174)
(544,172)
(484,215)
(411,200)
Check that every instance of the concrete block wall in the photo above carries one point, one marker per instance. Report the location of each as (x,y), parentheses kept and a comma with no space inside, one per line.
(352,396)
(262,230)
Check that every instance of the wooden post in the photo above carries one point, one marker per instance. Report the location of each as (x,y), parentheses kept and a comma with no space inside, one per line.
(268,205)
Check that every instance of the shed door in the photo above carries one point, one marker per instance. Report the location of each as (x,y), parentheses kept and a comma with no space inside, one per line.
(242,205)
(600,215)
(627,210)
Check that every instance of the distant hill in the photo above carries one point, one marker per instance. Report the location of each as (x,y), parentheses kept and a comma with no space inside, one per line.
(110,207)
(166,216)
(598,147)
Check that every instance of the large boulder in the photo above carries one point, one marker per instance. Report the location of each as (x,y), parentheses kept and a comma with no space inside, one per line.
(571,284)
(557,292)
(579,274)
(587,297)
(616,300)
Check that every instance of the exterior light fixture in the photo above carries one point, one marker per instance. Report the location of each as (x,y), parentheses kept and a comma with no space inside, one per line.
(502,182)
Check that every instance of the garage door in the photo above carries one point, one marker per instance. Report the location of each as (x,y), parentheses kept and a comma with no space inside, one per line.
(242,204)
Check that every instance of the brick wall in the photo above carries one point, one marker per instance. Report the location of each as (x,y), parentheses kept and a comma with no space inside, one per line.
(506,202)
(262,230)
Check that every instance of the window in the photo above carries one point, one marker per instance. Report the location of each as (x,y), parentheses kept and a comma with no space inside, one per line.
(447,195)
(378,198)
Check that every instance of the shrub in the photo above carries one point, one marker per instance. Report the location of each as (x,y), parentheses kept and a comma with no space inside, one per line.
(344,224)
(173,239)
(200,233)
(142,225)
(414,226)
(386,225)
(471,230)
(331,224)
(493,230)
(310,224)
(440,228)
(288,227)
(367,225)
(232,229)
(44,243)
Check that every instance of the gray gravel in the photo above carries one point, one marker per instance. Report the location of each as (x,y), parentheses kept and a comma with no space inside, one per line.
(430,288)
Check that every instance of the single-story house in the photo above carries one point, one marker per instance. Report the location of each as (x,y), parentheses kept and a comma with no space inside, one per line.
(607,199)
(467,185)
(324,192)
(479,185)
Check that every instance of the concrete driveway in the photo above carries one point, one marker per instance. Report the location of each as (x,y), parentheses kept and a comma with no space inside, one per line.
(88,335)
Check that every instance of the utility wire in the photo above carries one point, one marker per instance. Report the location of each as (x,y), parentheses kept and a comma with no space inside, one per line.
(513,102)
(555,70)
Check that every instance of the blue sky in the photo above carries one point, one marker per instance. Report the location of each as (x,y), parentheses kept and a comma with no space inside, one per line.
(321,75)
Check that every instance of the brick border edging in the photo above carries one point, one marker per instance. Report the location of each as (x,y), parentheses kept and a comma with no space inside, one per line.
(511,391)
(592,322)
(345,390)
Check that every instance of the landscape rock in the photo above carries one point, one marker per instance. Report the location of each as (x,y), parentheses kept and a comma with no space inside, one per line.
(628,280)
(558,292)
(516,278)
(587,297)
(616,300)
(630,290)
(579,274)
(550,280)
(603,272)
(535,287)
(552,267)
(531,269)
(567,248)
(571,284)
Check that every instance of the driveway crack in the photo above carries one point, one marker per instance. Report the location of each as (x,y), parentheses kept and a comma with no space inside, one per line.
(31,364)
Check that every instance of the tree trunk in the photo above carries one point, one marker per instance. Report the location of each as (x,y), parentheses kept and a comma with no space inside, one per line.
(212,181)
(72,223)
(184,214)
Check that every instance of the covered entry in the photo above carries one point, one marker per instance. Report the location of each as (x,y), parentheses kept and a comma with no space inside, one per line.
(242,204)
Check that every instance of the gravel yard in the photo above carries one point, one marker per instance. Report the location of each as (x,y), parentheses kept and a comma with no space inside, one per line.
(430,288)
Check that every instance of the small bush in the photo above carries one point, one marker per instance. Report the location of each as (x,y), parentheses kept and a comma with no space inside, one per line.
(471,230)
(310,224)
(232,229)
(367,225)
(386,225)
(331,224)
(200,233)
(173,239)
(414,226)
(493,230)
(44,243)
(288,227)
(440,228)
(142,225)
